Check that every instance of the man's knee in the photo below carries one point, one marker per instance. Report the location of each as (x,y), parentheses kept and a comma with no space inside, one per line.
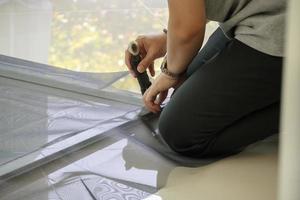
(170,132)
(180,137)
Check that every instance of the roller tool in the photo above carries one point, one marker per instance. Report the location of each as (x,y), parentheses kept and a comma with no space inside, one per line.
(142,78)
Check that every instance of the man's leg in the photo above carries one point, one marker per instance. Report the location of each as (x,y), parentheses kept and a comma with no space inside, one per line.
(225,105)
(215,44)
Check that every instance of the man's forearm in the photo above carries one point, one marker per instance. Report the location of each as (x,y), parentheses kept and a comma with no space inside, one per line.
(182,50)
(186,30)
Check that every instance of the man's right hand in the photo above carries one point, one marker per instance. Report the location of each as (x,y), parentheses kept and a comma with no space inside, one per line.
(151,47)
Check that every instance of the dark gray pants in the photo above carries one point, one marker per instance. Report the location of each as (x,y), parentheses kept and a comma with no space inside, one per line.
(230,100)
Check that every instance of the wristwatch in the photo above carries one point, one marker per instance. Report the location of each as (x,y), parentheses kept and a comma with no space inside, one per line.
(164,69)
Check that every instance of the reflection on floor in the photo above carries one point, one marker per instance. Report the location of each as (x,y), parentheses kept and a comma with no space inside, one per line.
(121,167)
(249,175)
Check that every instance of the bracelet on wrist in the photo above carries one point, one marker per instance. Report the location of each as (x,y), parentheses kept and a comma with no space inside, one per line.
(164,70)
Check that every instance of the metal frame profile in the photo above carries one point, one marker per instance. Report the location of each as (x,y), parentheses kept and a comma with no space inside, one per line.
(77,82)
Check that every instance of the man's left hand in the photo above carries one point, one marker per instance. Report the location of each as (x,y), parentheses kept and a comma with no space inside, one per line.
(158,92)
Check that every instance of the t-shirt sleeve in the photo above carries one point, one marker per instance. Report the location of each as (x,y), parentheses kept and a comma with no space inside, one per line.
(222,10)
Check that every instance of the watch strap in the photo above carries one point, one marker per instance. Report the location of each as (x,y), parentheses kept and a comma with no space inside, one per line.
(164,70)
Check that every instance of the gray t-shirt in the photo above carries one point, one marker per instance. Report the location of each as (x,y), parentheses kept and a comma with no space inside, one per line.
(259,24)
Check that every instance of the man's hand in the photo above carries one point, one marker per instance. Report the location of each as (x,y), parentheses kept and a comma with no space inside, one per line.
(158,92)
(151,47)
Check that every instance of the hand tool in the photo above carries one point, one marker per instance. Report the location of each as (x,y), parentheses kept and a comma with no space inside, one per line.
(142,78)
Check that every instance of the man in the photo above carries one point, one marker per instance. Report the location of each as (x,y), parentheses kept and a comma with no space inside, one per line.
(233,99)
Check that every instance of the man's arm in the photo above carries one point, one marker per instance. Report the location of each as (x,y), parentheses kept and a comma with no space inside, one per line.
(186,30)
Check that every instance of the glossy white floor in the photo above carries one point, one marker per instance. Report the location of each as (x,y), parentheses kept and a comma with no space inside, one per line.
(119,169)
(90,36)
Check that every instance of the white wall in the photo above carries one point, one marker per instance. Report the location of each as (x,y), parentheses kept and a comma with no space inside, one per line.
(289,186)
